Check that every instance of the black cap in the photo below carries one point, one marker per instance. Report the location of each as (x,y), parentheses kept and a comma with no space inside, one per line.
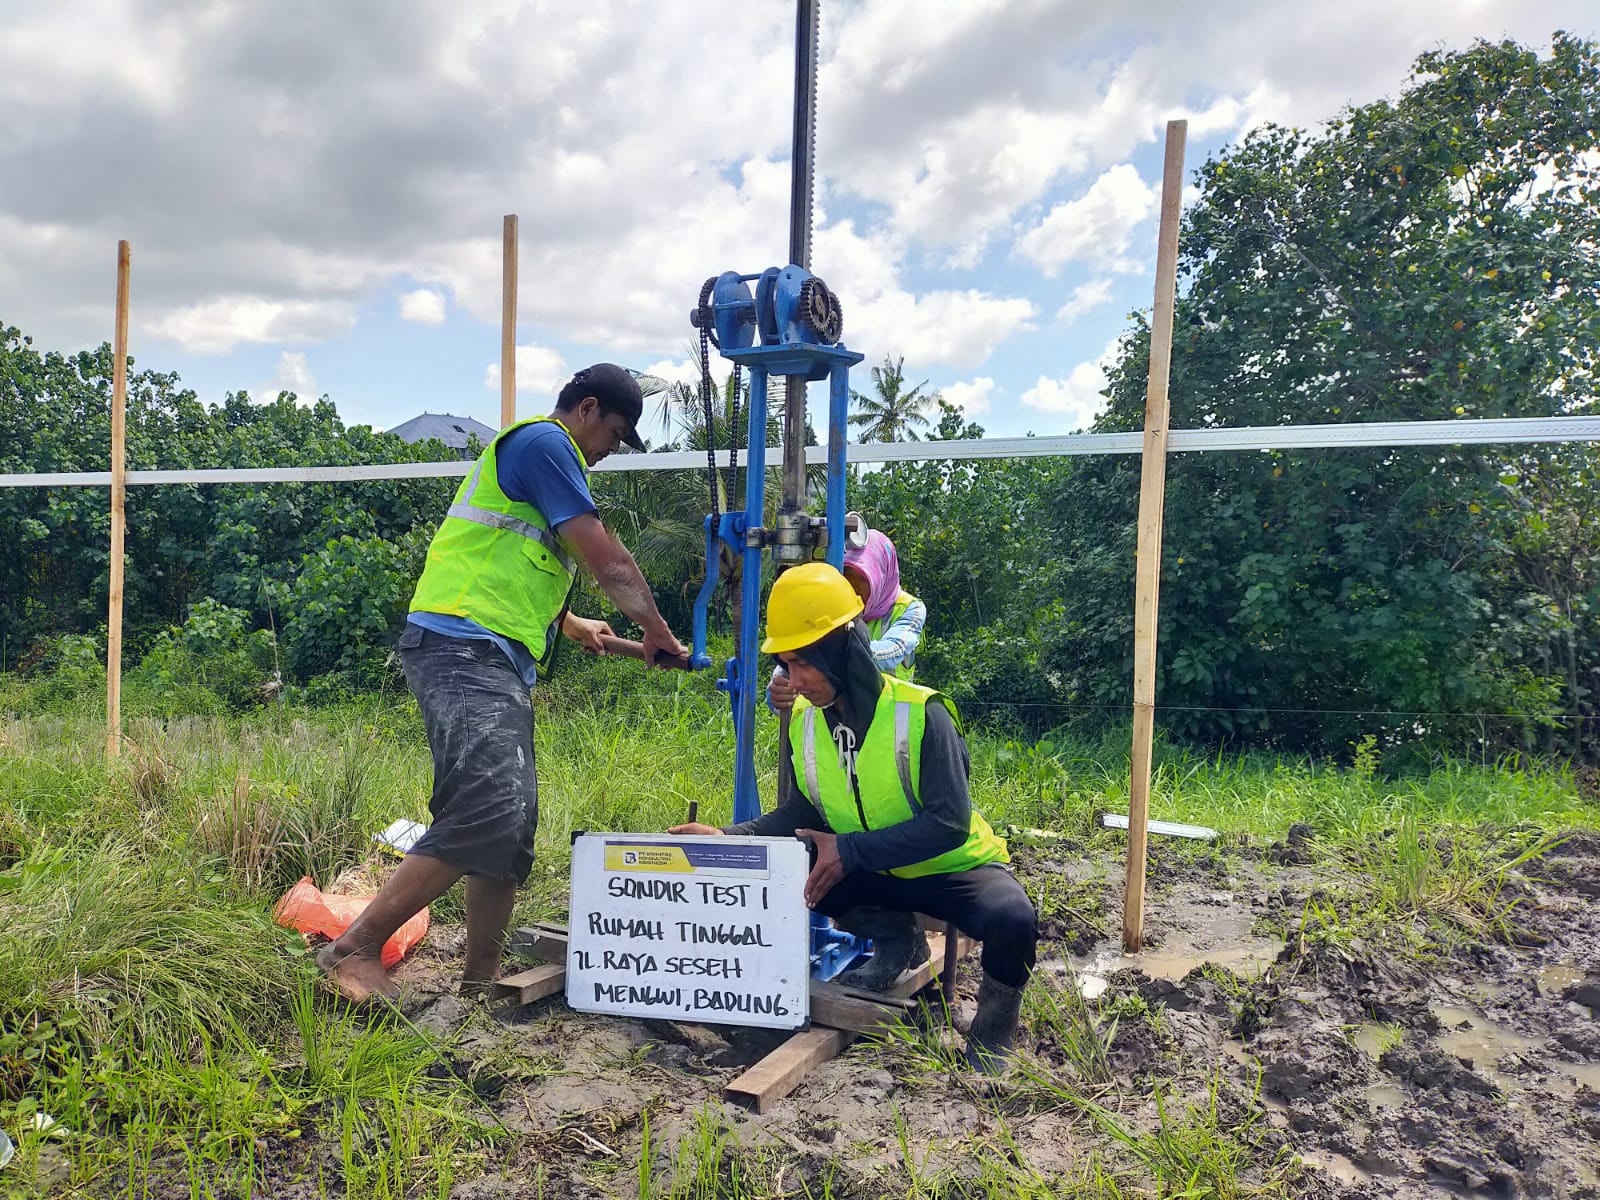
(615,388)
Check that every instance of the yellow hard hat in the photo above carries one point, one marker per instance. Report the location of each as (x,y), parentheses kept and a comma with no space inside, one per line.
(808,602)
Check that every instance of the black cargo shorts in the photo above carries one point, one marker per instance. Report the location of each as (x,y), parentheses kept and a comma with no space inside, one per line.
(479,718)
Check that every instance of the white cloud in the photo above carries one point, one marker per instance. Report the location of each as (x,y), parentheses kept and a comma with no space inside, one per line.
(540,370)
(1077,394)
(291,374)
(1085,298)
(1096,227)
(970,396)
(687,370)
(217,326)
(955,328)
(424,306)
(246,152)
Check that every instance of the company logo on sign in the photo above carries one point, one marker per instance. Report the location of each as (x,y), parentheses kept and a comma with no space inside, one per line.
(647,858)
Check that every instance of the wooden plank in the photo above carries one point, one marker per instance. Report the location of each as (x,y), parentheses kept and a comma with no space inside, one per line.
(840,1007)
(119,492)
(508,322)
(533,984)
(778,1074)
(544,942)
(915,980)
(1152,504)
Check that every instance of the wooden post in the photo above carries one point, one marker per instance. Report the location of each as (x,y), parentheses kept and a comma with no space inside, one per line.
(508,324)
(119,489)
(1147,567)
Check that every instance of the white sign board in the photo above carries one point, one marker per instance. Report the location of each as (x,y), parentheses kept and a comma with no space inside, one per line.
(710,929)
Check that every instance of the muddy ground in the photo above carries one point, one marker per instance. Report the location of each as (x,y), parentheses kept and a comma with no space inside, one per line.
(1315,1067)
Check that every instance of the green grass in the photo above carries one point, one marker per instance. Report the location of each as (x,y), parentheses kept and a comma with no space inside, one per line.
(149,1005)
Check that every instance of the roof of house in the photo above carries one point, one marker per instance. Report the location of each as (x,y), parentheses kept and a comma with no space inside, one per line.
(452,431)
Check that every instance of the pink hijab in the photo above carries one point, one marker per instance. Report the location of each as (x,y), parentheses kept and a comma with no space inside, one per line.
(881,566)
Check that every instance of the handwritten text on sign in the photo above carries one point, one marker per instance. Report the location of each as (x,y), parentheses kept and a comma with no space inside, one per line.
(709,929)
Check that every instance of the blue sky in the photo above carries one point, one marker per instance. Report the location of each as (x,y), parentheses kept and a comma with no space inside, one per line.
(314,192)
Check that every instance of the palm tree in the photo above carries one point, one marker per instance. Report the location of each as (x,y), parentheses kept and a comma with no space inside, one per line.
(662,513)
(894,414)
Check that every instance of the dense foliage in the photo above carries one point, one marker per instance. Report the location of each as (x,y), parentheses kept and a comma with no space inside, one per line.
(1432,257)
(280,555)
(1437,257)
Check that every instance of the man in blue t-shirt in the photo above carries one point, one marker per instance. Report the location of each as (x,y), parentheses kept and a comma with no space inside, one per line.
(472,681)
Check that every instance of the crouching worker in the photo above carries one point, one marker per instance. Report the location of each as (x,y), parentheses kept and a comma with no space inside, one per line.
(880,793)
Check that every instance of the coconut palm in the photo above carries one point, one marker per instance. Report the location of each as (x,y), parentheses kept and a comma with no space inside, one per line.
(891,413)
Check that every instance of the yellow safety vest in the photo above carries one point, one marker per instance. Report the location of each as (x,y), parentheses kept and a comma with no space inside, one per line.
(907,668)
(496,561)
(886,787)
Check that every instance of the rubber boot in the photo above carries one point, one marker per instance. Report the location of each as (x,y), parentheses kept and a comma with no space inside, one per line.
(898,944)
(993,1032)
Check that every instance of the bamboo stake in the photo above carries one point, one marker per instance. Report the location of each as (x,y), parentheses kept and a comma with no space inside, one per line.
(119,491)
(1152,502)
(508,324)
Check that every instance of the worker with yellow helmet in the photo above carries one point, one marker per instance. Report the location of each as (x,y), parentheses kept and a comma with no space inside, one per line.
(880,792)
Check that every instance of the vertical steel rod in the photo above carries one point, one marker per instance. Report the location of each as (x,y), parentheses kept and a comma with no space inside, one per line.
(119,492)
(1152,504)
(801,186)
(802,160)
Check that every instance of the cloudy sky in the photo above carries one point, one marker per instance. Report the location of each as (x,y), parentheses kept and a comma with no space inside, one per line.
(314,189)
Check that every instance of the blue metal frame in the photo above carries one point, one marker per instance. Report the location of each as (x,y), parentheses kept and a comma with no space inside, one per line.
(741,678)
(739,318)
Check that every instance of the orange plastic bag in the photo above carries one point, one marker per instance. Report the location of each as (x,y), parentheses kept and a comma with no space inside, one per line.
(310,910)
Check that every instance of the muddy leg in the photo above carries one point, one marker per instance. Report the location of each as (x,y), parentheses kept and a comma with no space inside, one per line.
(354,961)
(489,904)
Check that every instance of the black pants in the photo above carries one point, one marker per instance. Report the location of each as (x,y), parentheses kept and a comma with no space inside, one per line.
(479,718)
(985,903)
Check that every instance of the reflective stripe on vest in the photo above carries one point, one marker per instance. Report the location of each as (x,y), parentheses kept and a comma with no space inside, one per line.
(875,795)
(902,752)
(494,560)
(465,510)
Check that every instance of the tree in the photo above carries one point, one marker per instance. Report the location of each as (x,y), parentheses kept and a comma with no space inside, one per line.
(185,543)
(1433,257)
(891,413)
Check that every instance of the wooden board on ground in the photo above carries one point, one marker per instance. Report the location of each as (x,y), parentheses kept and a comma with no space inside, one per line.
(533,984)
(776,1075)
(844,1012)
(839,1007)
(541,942)
(915,980)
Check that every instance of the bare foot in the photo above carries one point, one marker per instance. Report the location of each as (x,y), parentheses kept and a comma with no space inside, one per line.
(478,991)
(357,976)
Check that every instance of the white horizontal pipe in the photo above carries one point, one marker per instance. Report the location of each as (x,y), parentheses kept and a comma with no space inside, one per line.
(1502,430)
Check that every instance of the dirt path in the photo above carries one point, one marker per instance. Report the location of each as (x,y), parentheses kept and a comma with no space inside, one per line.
(1382,1073)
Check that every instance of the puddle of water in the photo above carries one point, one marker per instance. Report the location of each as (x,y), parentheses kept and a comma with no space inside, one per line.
(1236,1050)
(1481,1042)
(1585,1074)
(1337,1165)
(1382,1097)
(1484,1043)
(1373,1038)
(1558,977)
(1174,965)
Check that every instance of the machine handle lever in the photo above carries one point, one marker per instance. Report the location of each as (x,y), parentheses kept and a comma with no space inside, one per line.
(632,649)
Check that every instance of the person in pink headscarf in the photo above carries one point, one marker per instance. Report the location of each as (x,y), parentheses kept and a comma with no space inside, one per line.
(894,617)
